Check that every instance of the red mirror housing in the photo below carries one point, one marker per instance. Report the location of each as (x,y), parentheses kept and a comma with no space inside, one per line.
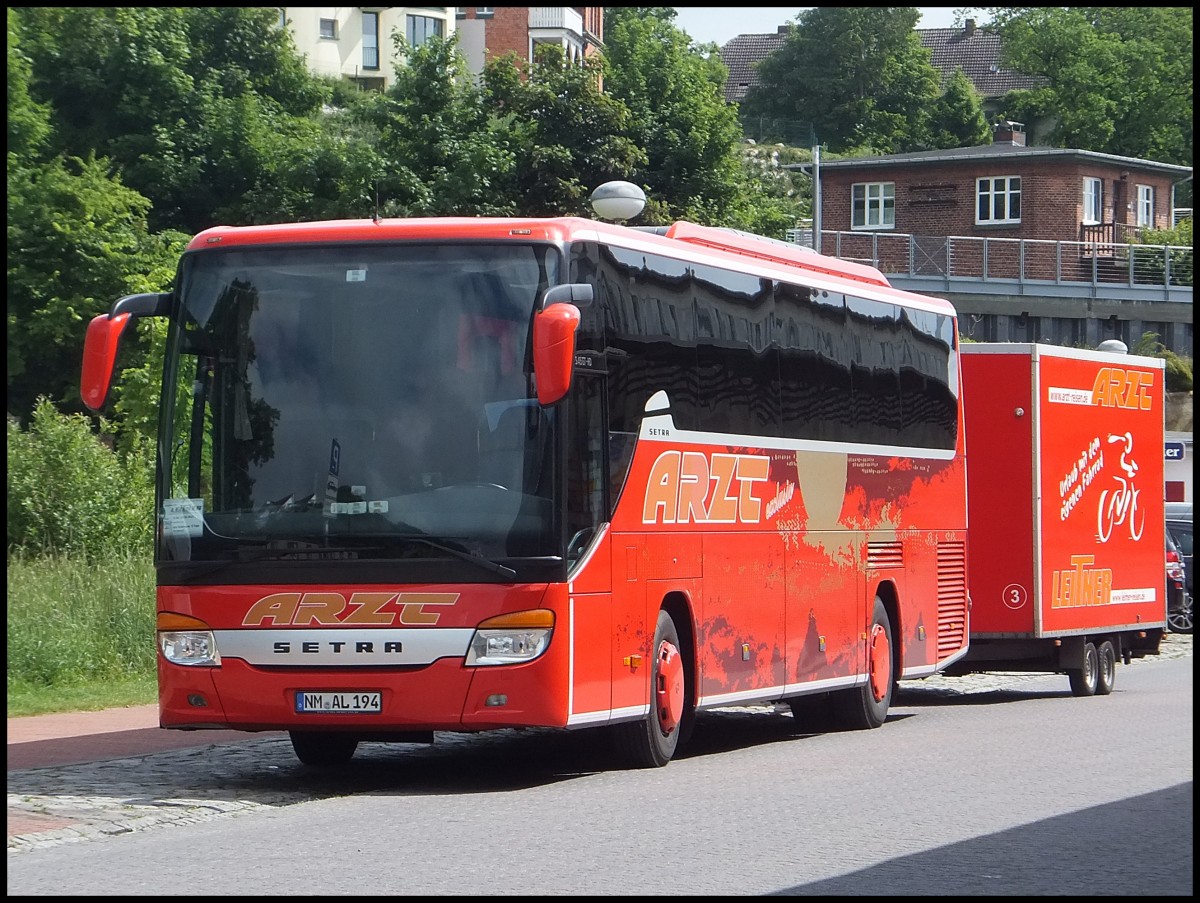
(554,350)
(99,357)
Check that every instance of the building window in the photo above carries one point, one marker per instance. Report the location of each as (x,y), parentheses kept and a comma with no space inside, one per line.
(328,28)
(421,28)
(999,200)
(1093,201)
(1145,206)
(370,40)
(484,12)
(873,205)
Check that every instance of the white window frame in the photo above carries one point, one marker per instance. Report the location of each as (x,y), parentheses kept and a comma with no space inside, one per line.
(1005,190)
(370,41)
(1145,206)
(436,28)
(873,205)
(327,25)
(1093,201)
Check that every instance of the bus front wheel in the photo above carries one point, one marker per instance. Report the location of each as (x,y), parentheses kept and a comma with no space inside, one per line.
(651,742)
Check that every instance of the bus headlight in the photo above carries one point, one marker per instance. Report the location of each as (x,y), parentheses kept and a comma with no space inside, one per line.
(184,640)
(511,639)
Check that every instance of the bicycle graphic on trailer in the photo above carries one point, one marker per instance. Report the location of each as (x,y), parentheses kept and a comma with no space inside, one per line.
(1121,506)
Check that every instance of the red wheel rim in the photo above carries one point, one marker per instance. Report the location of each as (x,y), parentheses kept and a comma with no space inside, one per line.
(669,690)
(880,664)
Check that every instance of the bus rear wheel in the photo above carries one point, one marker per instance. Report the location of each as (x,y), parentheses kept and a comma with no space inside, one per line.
(323,749)
(866,707)
(651,742)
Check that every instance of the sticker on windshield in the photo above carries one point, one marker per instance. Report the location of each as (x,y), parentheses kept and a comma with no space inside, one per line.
(356,275)
(183,517)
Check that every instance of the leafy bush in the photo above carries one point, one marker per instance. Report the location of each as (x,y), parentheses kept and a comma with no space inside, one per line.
(1176,252)
(68,493)
(1179,369)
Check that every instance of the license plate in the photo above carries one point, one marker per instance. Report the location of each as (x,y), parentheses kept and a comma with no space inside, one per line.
(362,701)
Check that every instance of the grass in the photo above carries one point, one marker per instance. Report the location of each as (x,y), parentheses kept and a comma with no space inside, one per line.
(80,633)
(89,696)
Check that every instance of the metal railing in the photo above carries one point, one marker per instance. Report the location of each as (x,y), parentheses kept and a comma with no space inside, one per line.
(1019,262)
(556,17)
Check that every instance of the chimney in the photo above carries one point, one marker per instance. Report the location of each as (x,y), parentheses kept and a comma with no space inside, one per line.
(1006,131)
(969,28)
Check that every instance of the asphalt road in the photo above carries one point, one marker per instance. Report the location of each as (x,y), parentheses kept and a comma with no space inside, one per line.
(991,784)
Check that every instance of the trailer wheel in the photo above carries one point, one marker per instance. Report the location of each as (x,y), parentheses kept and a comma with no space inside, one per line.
(1085,680)
(1106,674)
(866,707)
(651,742)
(323,749)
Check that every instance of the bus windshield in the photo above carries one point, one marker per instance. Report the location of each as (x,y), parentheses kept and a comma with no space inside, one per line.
(357,400)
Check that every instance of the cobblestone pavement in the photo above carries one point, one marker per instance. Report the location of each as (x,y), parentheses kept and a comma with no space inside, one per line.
(76,802)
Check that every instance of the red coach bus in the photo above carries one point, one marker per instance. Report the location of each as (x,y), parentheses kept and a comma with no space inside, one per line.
(468,474)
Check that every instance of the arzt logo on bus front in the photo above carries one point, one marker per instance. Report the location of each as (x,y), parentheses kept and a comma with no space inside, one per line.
(677,491)
(333,609)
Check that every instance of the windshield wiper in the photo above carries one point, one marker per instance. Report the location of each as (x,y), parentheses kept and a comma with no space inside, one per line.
(463,554)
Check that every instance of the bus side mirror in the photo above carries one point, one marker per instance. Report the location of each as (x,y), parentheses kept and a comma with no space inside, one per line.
(103,341)
(554,350)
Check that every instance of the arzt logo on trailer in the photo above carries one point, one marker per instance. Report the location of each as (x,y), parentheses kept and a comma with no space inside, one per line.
(331,609)
(677,491)
(1118,388)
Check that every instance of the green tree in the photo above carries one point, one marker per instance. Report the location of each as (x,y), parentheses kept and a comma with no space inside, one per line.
(859,74)
(679,116)
(442,151)
(77,240)
(28,121)
(566,135)
(197,107)
(957,119)
(1120,78)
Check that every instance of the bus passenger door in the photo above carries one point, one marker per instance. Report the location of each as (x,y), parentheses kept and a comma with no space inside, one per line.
(589,553)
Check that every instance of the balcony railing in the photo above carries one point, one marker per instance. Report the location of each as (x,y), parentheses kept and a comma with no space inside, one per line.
(556,17)
(1109,233)
(1024,265)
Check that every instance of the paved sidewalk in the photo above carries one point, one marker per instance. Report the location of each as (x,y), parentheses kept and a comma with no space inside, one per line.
(72,738)
(76,738)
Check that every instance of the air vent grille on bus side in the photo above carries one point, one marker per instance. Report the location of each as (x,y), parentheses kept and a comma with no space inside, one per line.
(952,597)
(885,555)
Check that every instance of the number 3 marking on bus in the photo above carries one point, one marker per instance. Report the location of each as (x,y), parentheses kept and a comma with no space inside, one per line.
(1014,596)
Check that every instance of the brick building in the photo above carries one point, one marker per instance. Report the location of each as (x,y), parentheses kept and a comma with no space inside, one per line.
(355,42)
(1004,190)
(487,32)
